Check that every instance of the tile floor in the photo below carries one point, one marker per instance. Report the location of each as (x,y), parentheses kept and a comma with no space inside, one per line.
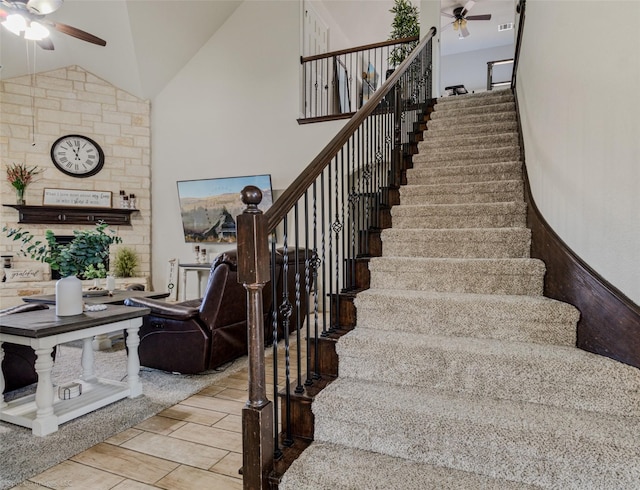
(194,444)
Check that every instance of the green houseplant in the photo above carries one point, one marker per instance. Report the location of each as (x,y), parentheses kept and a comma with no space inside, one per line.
(81,257)
(125,262)
(406,23)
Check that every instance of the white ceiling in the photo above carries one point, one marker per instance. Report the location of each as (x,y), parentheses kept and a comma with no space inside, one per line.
(149,41)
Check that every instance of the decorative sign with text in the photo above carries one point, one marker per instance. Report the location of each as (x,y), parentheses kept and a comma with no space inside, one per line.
(23,275)
(73,197)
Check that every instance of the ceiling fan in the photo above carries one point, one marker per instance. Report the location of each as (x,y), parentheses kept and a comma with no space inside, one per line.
(460,18)
(26,18)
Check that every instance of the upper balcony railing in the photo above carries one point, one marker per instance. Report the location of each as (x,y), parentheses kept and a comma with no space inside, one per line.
(336,84)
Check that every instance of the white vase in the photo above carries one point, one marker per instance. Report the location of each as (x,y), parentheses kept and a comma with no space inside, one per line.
(69,296)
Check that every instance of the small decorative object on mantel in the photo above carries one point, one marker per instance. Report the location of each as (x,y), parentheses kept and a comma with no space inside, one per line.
(20,176)
(7,261)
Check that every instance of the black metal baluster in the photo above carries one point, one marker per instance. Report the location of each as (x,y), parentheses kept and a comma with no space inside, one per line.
(277,452)
(337,228)
(316,265)
(324,256)
(307,290)
(299,388)
(285,313)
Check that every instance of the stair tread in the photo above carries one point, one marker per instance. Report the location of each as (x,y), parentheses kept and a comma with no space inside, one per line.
(315,470)
(527,442)
(424,407)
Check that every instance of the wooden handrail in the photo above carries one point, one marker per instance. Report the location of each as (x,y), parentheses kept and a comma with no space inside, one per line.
(296,190)
(364,47)
(522,7)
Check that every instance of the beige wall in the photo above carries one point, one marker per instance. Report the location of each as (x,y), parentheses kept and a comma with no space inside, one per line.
(73,101)
(578,79)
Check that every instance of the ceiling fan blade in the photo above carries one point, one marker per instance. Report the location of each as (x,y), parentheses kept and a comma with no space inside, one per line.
(447,26)
(479,17)
(446,14)
(45,44)
(75,32)
(464,31)
(468,6)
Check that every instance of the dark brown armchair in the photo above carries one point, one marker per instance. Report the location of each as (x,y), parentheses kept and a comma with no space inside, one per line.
(18,365)
(197,335)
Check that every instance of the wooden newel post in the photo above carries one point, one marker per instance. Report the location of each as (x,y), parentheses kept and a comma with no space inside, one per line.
(253,273)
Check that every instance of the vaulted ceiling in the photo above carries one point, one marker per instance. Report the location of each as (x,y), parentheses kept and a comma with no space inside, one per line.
(149,41)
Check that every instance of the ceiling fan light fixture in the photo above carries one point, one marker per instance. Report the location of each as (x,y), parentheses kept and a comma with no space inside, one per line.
(15,23)
(44,7)
(36,32)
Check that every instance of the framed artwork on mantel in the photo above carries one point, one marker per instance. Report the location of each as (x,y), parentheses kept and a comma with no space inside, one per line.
(209,207)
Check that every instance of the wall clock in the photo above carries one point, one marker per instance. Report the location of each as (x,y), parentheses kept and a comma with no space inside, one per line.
(77,156)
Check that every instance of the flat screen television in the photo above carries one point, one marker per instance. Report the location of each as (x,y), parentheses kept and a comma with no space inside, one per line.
(209,207)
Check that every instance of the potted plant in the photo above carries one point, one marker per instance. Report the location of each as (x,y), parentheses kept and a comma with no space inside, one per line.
(125,262)
(406,23)
(20,176)
(79,259)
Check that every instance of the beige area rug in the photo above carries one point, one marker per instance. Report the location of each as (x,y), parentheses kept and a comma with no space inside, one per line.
(23,455)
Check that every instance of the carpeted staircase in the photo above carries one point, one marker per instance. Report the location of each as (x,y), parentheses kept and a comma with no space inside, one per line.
(460,374)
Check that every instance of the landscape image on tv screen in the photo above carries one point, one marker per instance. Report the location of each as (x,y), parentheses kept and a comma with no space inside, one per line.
(209,206)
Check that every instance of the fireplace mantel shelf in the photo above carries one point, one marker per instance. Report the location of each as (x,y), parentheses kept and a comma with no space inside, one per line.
(72,215)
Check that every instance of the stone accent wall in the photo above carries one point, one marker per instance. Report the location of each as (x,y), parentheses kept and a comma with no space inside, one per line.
(73,101)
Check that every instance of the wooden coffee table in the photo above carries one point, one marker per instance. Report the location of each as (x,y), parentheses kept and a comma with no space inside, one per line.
(117,298)
(43,330)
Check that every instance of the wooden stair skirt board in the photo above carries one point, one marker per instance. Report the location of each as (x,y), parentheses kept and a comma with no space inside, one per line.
(343,311)
(609,322)
(301,417)
(357,270)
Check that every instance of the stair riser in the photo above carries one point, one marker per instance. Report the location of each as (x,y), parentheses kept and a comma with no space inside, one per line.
(521,284)
(443,145)
(446,103)
(455,112)
(423,178)
(454,222)
(470,130)
(451,123)
(501,243)
(466,322)
(465,174)
(485,197)
(502,154)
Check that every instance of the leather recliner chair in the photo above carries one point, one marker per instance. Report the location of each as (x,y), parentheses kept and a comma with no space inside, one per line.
(196,335)
(18,365)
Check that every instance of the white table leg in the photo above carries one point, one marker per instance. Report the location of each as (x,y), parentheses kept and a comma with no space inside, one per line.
(45,422)
(133,362)
(88,365)
(2,383)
